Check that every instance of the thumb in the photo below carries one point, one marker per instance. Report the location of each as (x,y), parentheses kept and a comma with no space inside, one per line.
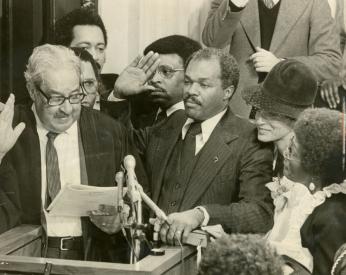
(18,130)
(147,88)
(259,49)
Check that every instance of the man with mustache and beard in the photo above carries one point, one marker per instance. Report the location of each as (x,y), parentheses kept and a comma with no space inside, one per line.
(207,167)
(163,74)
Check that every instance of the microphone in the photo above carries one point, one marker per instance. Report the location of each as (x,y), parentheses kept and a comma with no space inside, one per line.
(119,178)
(129,164)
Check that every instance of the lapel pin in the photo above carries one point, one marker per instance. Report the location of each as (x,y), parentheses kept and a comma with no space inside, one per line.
(216,159)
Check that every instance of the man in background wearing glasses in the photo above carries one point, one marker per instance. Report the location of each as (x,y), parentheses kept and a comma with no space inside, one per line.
(63,143)
(162,69)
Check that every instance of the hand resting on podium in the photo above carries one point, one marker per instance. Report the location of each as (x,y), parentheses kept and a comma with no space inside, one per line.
(179,225)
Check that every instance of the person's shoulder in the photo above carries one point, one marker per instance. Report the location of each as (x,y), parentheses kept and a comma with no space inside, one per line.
(333,209)
(239,125)
(101,120)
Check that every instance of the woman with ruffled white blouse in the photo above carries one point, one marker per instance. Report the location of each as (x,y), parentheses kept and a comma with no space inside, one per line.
(310,202)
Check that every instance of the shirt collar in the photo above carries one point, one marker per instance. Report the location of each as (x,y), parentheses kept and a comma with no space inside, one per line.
(42,131)
(177,106)
(207,126)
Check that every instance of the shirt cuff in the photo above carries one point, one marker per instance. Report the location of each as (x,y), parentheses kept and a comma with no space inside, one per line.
(206,215)
(111,97)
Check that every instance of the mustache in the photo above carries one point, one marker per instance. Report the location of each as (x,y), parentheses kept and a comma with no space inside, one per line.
(157,87)
(192,98)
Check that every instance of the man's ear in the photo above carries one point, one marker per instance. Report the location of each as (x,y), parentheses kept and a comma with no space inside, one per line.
(31,90)
(228,93)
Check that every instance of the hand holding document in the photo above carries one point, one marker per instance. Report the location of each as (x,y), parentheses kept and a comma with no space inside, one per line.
(78,200)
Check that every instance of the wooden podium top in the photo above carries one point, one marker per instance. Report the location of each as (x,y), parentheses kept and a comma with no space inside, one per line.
(175,260)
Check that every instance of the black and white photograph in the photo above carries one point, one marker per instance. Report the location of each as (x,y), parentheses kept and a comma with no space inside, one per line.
(175,137)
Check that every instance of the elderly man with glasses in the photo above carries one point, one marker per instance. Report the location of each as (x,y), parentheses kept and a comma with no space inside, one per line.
(63,143)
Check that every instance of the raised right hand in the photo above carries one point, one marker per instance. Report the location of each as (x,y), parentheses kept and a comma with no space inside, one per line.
(132,80)
(8,135)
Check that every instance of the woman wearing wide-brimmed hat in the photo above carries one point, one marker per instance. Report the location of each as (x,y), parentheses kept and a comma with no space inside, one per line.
(289,88)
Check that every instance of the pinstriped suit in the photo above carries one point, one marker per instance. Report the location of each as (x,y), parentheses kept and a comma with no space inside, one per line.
(229,175)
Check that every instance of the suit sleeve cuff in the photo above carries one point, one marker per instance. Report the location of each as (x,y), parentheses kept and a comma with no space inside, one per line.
(206,215)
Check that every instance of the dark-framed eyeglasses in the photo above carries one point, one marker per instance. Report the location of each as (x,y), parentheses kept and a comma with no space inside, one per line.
(59,100)
(167,71)
(89,86)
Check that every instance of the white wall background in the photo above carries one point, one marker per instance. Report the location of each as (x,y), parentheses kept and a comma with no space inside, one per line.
(133,24)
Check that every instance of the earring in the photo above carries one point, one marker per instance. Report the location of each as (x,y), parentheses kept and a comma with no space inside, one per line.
(312,187)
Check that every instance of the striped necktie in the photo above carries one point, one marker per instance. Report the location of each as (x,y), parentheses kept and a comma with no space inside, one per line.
(52,168)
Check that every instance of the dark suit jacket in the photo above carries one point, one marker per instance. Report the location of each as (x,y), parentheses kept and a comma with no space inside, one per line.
(324,232)
(105,144)
(229,177)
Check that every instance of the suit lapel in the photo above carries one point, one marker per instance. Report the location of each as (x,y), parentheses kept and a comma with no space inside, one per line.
(164,139)
(250,24)
(289,13)
(91,147)
(213,156)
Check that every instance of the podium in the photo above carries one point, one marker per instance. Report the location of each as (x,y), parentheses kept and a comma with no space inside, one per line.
(20,249)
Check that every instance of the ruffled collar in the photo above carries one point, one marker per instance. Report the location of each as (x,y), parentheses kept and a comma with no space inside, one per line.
(284,191)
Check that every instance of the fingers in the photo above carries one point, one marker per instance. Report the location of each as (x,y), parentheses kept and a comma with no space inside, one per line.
(152,69)
(259,49)
(187,231)
(108,209)
(135,62)
(163,232)
(154,59)
(331,95)
(18,130)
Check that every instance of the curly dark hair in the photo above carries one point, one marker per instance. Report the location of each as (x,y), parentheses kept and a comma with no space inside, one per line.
(63,33)
(320,136)
(228,65)
(240,254)
(174,44)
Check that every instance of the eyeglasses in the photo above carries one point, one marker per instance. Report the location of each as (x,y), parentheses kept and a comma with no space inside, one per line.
(288,153)
(89,86)
(167,71)
(59,100)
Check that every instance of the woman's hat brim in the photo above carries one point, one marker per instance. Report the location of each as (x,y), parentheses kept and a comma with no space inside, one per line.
(255,96)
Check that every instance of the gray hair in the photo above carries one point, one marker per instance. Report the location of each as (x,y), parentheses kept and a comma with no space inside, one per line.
(49,57)
(228,65)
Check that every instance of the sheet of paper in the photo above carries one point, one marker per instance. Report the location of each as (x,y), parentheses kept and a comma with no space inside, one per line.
(77,200)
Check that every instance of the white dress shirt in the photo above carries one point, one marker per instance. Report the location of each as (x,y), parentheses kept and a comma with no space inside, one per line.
(207,126)
(66,145)
(177,106)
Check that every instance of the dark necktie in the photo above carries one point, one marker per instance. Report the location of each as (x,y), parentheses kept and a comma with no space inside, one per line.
(52,168)
(189,142)
(161,116)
